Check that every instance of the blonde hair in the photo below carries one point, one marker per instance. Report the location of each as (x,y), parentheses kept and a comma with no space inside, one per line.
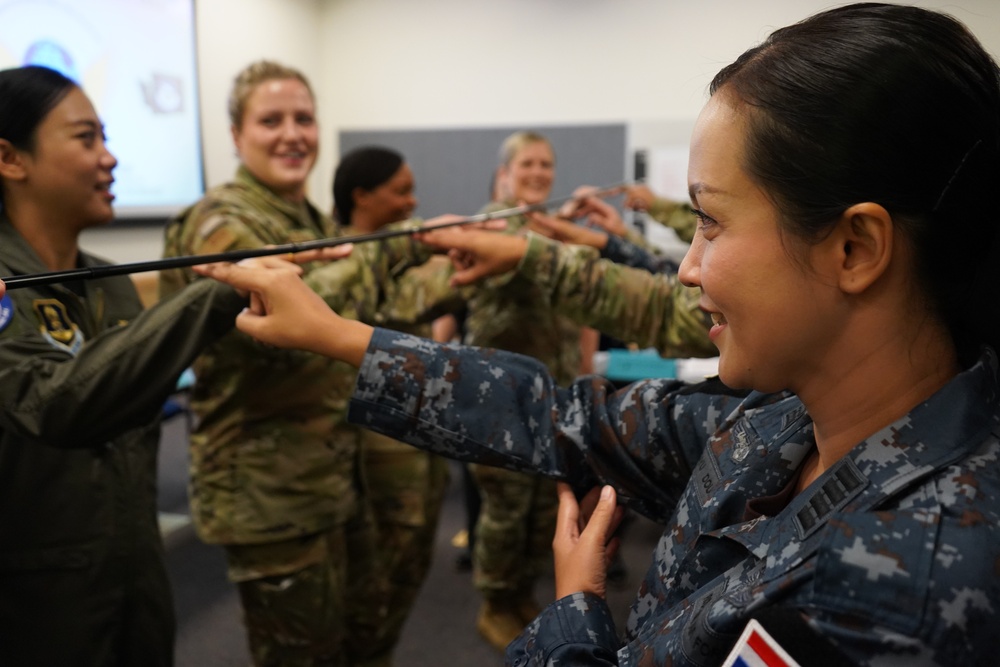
(252,76)
(515,142)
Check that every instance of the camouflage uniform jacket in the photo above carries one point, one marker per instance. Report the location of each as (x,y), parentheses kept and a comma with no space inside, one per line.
(272,457)
(676,215)
(891,554)
(510,313)
(624,251)
(83,378)
(651,310)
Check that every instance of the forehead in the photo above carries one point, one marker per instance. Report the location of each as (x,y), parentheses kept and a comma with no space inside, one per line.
(403,175)
(74,107)
(280,92)
(533,151)
(716,146)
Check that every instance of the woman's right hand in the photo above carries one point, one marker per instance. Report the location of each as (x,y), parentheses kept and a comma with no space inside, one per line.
(286,313)
(477,254)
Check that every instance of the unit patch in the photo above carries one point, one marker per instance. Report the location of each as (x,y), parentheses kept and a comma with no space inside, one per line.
(56,326)
(6,311)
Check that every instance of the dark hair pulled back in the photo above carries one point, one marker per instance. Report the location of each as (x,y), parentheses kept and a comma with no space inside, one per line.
(27,95)
(894,105)
(367,168)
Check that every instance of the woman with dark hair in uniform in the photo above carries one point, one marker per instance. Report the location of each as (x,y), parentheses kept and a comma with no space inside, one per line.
(84,374)
(844,469)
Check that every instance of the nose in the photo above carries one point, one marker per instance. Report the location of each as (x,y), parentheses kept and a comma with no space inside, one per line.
(108,159)
(290,129)
(690,268)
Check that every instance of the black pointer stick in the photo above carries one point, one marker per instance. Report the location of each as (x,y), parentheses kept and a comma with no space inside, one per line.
(92,272)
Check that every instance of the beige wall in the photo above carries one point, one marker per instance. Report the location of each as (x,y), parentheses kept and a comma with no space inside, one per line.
(458,63)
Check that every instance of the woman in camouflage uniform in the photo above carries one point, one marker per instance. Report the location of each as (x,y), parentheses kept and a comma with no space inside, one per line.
(276,474)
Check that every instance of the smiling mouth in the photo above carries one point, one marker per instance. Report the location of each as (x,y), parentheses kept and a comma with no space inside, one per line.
(718,319)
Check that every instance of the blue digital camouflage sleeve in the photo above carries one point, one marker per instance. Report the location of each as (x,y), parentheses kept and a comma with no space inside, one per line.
(622,251)
(575,630)
(503,409)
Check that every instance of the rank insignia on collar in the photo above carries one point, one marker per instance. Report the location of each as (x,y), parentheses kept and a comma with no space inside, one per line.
(741,442)
(56,326)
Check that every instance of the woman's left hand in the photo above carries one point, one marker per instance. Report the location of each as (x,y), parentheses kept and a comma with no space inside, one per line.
(584,545)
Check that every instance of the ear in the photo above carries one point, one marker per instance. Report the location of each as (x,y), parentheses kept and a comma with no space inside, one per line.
(235,133)
(359,195)
(11,162)
(862,243)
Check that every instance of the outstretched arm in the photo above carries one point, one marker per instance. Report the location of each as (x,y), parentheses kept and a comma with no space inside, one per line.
(286,313)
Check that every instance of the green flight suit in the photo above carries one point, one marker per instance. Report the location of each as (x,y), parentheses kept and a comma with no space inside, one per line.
(84,374)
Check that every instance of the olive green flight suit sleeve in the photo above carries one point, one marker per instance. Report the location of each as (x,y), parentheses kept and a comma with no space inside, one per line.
(117,380)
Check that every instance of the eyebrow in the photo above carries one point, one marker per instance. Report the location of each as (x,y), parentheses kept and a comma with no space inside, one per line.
(89,123)
(695,188)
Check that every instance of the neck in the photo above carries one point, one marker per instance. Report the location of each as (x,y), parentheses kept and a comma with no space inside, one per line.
(55,243)
(365,223)
(848,402)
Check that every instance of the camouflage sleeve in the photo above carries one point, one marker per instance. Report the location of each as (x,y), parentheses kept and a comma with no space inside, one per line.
(421,295)
(651,310)
(677,215)
(504,409)
(208,227)
(386,284)
(575,630)
(625,252)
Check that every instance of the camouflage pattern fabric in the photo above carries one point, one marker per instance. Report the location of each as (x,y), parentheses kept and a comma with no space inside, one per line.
(676,215)
(405,485)
(273,461)
(517,517)
(890,554)
(633,305)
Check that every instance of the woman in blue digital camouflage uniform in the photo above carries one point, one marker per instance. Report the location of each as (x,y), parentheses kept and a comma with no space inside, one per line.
(847,472)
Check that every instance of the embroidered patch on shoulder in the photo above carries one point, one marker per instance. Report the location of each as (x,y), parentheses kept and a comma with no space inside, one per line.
(56,326)
(215,236)
(6,311)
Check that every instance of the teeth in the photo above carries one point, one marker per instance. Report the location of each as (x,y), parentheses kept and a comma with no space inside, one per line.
(717,319)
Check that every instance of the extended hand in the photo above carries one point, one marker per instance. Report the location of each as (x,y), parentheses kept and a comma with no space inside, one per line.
(285,312)
(477,254)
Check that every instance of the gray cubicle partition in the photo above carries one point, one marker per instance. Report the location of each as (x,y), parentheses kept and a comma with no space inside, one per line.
(453,168)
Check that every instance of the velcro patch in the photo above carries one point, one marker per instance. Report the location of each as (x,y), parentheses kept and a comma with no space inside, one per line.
(56,326)
(6,311)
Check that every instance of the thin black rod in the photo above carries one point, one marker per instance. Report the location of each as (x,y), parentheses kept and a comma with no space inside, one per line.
(92,272)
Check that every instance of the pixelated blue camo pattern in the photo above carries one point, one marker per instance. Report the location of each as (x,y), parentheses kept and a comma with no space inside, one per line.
(892,555)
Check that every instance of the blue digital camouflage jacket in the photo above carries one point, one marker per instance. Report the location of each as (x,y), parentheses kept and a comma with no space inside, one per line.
(892,555)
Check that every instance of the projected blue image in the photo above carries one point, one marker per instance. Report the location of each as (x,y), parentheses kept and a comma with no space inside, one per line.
(136,61)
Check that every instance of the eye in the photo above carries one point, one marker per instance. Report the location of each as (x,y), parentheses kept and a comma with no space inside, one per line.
(88,137)
(305,119)
(705,221)
(270,121)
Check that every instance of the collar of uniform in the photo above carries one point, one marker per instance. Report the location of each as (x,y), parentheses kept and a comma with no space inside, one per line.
(16,252)
(935,434)
(304,212)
